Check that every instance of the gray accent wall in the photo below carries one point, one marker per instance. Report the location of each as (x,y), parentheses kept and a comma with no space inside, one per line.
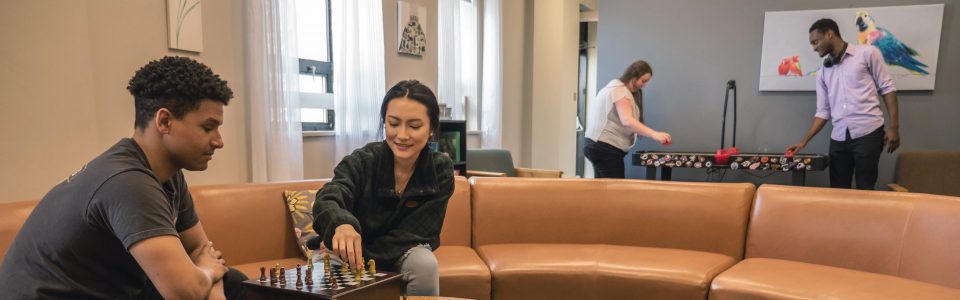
(694,47)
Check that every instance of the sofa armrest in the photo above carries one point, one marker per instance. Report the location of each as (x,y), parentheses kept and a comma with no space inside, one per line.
(485,173)
(897,188)
(541,173)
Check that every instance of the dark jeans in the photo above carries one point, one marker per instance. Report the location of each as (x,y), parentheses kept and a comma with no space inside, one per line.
(607,160)
(231,287)
(856,158)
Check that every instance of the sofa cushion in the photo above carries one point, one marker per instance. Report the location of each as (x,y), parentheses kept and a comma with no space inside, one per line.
(248,221)
(300,205)
(710,217)
(762,278)
(252,270)
(12,216)
(577,271)
(456,223)
(910,235)
(462,273)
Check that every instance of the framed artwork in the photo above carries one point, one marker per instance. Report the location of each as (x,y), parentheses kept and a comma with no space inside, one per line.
(185,25)
(907,36)
(411,28)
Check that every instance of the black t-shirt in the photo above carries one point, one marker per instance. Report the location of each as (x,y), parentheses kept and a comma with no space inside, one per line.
(75,243)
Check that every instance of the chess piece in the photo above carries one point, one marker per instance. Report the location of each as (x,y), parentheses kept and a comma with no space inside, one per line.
(263,274)
(373,267)
(299,282)
(276,272)
(310,276)
(283,276)
(344,268)
(356,274)
(273,276)
(333,282)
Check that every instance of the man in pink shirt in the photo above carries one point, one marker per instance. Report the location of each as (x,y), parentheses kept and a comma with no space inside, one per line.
(849,87)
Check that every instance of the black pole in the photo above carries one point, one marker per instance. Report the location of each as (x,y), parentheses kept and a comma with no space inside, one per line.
(733,85)
(723,127)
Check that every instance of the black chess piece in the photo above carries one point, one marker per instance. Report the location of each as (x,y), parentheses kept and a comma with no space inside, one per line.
(333,281)
(299,278)
(283,276)
(263,274)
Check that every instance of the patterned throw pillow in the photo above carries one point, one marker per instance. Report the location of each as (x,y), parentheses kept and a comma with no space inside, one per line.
(300,204)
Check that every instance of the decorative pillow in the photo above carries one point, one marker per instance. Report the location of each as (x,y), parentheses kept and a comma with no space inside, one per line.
(300,204)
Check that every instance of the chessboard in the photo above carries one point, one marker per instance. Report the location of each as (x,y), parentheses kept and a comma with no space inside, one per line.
(316,282)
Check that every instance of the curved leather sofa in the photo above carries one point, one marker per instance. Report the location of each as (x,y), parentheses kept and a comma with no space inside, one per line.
(518,238)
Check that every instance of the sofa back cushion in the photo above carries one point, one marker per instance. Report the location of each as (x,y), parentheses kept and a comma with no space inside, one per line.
(251,222)
(456,223)
(710,217)
(12,216)
(910,235)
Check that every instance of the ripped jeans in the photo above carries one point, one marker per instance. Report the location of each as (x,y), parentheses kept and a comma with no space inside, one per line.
(419,269)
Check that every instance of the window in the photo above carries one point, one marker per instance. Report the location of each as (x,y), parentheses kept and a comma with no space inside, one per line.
(470,67)
(316,65)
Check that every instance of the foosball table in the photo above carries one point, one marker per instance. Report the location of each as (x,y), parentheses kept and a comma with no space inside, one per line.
(797,164)
(323,280)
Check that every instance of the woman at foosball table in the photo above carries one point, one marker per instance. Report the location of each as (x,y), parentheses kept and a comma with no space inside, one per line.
(615,119)
(387,199)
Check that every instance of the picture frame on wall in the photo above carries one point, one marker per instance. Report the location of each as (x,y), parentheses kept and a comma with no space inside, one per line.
(411,28)
(907,36)
(185,25)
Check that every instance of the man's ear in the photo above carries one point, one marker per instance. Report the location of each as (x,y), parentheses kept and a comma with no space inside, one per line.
(163,118)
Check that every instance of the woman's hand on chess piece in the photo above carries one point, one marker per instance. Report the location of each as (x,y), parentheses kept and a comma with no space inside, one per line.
(347,245)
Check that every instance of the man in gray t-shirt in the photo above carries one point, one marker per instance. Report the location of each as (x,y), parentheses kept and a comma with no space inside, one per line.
(124,225)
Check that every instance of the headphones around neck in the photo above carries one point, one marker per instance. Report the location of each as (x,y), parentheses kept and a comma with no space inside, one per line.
(831,60)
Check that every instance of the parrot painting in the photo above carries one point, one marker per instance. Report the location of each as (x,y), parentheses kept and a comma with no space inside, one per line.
(784,67)
(894,51)
(790,66)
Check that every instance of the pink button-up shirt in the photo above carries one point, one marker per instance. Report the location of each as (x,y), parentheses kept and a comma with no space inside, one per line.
(847,93)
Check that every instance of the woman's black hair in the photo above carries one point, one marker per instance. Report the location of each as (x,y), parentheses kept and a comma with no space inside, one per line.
(416,91)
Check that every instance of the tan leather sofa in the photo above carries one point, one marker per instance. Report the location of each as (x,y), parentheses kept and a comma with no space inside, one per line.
(251,225)
(518,238)
(818,243)
(607,239)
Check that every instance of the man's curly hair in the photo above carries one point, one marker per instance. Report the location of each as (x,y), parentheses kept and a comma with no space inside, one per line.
(177,84)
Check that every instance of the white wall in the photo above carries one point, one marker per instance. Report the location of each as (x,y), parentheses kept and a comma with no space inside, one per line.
(403,66)
(514,42)
(63,97)
(554,84)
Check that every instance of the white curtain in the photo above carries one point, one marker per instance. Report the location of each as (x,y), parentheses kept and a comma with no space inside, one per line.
(492,89)
(273,93)
(358,72)
(449,57)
